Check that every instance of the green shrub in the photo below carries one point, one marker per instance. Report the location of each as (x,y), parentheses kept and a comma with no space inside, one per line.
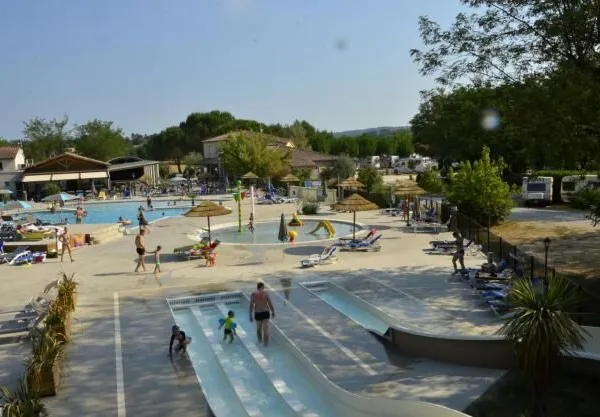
(585,198)
(310,207)
(51,188)
(431,181)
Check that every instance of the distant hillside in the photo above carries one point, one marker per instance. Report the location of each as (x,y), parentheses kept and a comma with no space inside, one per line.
(379,131)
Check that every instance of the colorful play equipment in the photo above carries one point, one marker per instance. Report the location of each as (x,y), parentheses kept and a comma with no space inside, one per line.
(292,235)
(325,224)
(295,222)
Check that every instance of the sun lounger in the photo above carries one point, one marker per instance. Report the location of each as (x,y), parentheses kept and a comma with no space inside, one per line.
(366,245)
(9,258)
(424,227)
(202,253)
(348,240)
(328,256)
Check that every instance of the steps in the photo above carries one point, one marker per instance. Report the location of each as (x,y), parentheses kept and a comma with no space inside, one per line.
(106,234)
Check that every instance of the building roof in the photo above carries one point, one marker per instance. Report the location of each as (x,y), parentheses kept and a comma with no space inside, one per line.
(131,165)
(308,159)
(8,152)
(67,162)
(275,139)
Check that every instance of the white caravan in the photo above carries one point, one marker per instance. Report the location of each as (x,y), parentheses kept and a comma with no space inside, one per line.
(574,183)
(537,190)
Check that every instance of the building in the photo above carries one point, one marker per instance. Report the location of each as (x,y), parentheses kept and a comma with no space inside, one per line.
(12,164)
(126,169)
(301,159)
(70,171)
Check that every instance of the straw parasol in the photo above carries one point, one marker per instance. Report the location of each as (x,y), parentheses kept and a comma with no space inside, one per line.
(290,178)
(408,188)
(350,183)
(250,176)
(355,203)
(208,209)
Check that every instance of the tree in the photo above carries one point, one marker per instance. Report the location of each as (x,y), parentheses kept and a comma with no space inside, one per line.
(51,188)
(370,178)
(478,190)
(45,138)
(403,143)
(99,140)
(367,146)
(252,151)
(299,134)
(541,330)
(343,167)
(167,145)
(191,161)
(431,181)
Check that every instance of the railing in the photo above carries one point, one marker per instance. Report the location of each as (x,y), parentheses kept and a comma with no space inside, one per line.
(526,264)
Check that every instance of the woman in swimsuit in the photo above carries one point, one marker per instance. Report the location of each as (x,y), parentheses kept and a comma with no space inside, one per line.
(261,310)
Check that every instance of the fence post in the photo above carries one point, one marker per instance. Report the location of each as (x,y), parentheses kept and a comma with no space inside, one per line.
(532,262)
(488,238)
(501,248)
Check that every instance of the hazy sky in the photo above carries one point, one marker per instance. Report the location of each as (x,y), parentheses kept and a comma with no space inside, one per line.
(147,64)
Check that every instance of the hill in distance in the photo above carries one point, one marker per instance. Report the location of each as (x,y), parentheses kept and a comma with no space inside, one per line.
(377,131)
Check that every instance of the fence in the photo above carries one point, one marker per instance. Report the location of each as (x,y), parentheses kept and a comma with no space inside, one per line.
(525,264)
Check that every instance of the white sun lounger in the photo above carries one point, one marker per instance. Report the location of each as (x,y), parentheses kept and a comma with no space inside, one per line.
(328,256)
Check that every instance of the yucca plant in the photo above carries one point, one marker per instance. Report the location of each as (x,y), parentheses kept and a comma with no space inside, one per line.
(541,330)
(67,290)
(43,375)
(21,402)
(58,320)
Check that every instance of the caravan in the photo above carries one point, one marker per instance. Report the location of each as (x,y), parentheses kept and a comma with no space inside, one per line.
(537,190)
(574,183)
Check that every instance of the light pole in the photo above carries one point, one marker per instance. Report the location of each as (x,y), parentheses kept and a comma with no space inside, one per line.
(546,248)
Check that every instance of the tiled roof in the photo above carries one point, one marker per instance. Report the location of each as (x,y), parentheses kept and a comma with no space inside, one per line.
(8,152)
(305,159)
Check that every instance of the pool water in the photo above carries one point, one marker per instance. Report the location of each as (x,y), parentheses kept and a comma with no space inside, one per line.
(267,232)
(110,212)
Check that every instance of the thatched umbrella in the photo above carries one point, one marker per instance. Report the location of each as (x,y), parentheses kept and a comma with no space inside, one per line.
(208,209)
(250,176)
(290,178)
(350,183)
(408,189)
(355,203)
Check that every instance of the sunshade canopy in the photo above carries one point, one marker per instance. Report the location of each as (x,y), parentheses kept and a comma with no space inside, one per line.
(290,178)
(355,203)
(207,209)
(250,176)
(350,183)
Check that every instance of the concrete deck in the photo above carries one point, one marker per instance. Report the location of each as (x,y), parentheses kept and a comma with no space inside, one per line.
(153,385)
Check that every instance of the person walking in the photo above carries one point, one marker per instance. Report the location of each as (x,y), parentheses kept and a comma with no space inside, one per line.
(140,249)
(459,255)
(261,311)
(65,240)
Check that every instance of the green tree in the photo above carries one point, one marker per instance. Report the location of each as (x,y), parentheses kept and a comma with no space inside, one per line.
(5,142)
(386,145)
(99,140)
(51,188)
(299,134)
(46,137)
(370,178)
(478,190)
(403,143)
(343,167)
(367,146)
(321,142)
(541,330)
(431,181)
(252,151)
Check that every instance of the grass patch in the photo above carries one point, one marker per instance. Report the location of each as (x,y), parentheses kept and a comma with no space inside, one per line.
(571,396)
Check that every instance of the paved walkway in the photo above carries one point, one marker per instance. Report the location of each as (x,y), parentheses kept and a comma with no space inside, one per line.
(153,385)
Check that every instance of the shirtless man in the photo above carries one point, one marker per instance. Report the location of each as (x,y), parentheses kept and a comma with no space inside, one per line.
(65,239)
(140,249)
(261,310)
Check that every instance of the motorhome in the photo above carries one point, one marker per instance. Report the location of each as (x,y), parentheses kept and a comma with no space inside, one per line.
(574,183)
(413,163)
(537,190)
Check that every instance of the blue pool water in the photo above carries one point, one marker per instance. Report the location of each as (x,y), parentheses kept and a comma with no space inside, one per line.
(110,212)
(267,232)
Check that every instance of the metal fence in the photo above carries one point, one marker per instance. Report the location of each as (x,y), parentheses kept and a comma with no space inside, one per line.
(525,264)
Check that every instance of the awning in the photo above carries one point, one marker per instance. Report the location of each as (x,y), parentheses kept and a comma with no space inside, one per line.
(64,177)
(93,175)
(37,178)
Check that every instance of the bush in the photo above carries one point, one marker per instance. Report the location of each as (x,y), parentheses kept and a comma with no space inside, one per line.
(431,181)
(51,188)
(310,207)
(585,199)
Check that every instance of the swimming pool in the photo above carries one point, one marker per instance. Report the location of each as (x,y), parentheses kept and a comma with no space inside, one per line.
(110,212)
(267,232)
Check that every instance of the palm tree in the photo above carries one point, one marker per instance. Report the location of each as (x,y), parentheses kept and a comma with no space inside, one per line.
(541,330)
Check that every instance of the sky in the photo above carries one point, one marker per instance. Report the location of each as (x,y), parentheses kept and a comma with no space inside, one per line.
(147,64)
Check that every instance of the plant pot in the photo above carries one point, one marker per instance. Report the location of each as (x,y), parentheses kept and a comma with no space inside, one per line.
(63,332)
(46,383)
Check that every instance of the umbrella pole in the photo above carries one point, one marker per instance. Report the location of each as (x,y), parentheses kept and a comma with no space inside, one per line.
(354,227)
(209,237)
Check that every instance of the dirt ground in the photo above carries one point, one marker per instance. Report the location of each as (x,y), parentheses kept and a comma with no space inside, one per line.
(575,243)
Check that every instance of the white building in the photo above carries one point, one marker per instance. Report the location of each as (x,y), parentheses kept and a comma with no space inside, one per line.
(12,164)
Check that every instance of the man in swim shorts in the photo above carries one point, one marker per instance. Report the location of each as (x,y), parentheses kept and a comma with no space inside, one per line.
(261,310)
(140,249)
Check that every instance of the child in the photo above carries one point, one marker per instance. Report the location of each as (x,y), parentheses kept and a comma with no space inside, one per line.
(229,326)
(251,223)
(157,259)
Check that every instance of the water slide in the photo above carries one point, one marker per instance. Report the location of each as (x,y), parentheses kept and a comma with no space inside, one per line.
(325,224)
(244,379)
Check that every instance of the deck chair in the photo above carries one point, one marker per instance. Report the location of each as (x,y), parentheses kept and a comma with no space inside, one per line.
(366,245)
(202,253)
(9,258)
(327,256)
(347,240)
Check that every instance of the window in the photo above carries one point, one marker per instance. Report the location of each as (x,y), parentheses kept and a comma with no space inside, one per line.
(7,183)
(536,187)
(568,186)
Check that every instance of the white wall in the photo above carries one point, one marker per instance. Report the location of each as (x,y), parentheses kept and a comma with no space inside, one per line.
(211,149)
(12,165)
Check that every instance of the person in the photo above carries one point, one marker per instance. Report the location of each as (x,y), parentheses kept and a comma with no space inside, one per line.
(65,239)
(251,223)
(142,219)
(228,325)
(156,254)
(140,249)
(459,255)
(182,340)
(78,215)
(261,310)
(149,202)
